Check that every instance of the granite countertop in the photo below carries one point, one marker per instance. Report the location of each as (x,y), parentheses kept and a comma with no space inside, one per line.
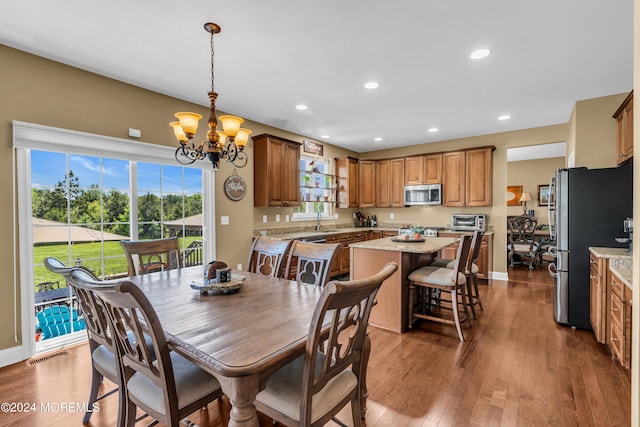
(430,245)
(313,233)
(620,262)
(489,231)
(620,253)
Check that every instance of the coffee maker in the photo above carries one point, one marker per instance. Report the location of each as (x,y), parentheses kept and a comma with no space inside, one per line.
(628,228)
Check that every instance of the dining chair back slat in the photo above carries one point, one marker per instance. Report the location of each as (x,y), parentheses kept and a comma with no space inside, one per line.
(148,256)
(267,256)
(310,262)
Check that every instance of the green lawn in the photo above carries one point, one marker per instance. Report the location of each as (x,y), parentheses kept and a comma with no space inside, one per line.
(90,255)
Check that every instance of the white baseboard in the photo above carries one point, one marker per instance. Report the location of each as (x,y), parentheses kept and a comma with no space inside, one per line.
(497,275)
(12,355)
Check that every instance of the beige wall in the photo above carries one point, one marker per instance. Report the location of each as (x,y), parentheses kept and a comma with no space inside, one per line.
(530,174)
(595,131)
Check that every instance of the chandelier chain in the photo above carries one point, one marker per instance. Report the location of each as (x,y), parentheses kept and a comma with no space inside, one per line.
(212,64)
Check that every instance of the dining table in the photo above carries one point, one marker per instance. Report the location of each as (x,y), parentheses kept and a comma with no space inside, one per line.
(241,338)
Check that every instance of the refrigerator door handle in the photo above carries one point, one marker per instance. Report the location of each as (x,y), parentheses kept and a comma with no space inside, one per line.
(552,270)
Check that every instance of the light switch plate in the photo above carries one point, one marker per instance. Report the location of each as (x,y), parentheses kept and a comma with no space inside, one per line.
(277,217)
(392,215)
(286,218)
(224,220)
(264,219)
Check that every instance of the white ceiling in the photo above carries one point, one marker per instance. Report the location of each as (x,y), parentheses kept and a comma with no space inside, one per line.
(272,55)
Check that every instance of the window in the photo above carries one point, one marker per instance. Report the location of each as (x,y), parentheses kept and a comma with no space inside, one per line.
(82,202)
(317,189)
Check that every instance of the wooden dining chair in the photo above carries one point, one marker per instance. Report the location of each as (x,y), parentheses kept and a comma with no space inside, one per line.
(101,345)
(522,240)
(162,383)
(148,256)
(267,256)
(471,271)
(451,280)
(309,262)
(312,389)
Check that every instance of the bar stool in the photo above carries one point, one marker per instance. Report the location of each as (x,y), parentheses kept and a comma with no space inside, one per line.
(471,271)
(444,279)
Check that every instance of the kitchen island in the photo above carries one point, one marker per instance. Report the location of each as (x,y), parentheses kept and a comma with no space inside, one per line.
(367,258)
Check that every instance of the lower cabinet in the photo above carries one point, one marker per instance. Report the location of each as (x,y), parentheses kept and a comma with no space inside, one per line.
(620,320)
(610,309)
(598,306)
(485,258)
(342,261)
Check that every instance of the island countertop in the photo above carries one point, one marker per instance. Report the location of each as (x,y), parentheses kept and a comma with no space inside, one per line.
(430,245)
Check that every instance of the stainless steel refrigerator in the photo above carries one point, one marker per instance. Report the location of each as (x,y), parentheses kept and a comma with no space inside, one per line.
(589,208)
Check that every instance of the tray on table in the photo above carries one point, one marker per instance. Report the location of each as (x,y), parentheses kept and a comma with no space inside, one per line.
(213,285)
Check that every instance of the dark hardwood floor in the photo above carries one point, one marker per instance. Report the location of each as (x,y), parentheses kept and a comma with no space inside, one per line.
(517,368)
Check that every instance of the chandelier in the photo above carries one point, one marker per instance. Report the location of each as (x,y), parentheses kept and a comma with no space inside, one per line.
(227,144)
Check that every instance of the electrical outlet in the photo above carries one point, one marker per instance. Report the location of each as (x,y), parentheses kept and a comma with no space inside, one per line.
(277,217)
(264,219)
(286,218)
(224,220)
(239,267)
(392,215)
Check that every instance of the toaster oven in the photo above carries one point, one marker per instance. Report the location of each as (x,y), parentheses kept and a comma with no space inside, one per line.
(469,222)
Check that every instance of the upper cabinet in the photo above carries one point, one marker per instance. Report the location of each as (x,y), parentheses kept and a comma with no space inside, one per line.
(276,171)
(390,183)
(467,177)
(367,183)
(426,169)
(624,130)
(347,171)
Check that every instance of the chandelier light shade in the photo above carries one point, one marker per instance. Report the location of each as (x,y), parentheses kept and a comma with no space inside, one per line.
(227,144)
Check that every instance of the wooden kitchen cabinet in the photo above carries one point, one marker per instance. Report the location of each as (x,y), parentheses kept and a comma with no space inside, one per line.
(467,177)
(347,172)
(426,169)
(620,299)
(367,183)
(342,262)
(624,130)
(390,183)
(453,178)
(374,234)
(485,257)
(599,301)
(276,171)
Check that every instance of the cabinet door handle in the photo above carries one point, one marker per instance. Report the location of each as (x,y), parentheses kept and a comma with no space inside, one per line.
(613,310)
(615,339)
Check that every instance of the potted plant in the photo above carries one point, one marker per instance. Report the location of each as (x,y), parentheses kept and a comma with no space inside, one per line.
(306,179)
(417,232)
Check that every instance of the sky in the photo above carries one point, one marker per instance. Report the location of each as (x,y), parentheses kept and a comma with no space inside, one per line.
(49,168)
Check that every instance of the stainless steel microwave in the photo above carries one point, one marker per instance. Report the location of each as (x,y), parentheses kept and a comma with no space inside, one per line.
(415,195)
(469,222)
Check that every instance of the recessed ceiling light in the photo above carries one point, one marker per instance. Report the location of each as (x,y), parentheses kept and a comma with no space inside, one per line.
(480,53)
(301,107)
(324,136)
(432,129)
(377,139)
(371,85)
(504,117)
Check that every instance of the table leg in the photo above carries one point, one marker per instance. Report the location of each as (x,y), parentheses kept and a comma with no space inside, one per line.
(242,393)
(364,393)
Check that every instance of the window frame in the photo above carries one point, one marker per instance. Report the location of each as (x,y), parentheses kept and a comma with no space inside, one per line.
(29,136)
(329,207)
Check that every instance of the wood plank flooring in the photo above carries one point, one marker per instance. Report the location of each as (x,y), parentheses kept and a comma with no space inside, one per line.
(517,368)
